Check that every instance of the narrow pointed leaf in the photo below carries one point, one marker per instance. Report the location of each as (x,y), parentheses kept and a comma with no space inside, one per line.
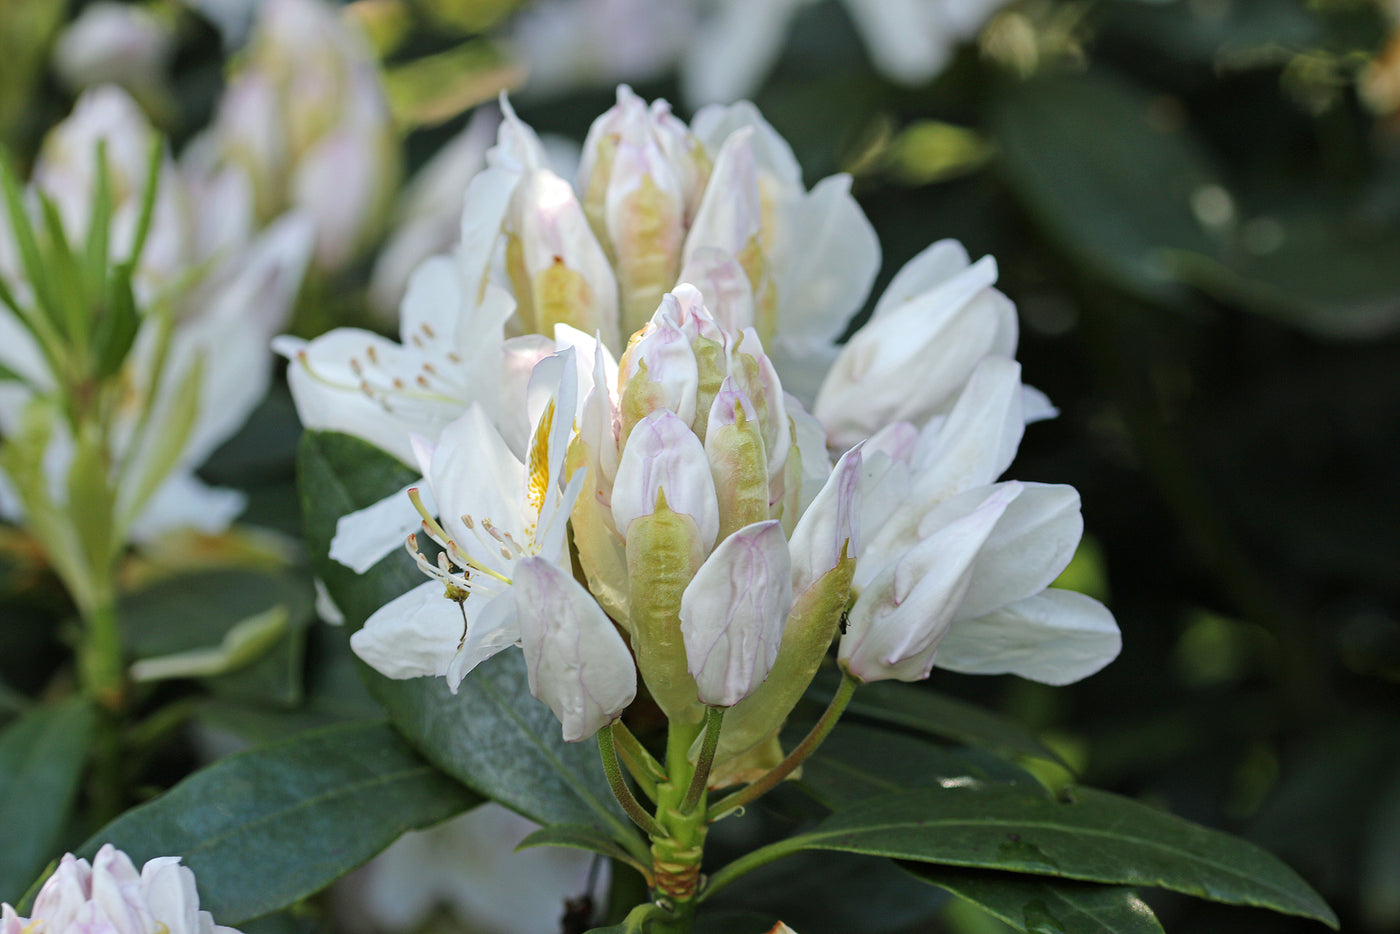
(265,828)
(577,837)
(41,760)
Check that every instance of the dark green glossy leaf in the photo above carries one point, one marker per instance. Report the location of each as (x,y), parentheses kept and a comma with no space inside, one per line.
(1038,905)
(492,735)
(336,475)
(41,761)
(915,707)
(265,828)
(1095,836)
(857,762)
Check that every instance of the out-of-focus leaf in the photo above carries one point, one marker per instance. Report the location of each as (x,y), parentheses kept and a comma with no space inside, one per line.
(431,90)
(201,612)
(25,37)
(41,760)
(265,828)
(1108,182)
(915,707)
(246,640)
(1380,867)
(1095,836)
(1038,905)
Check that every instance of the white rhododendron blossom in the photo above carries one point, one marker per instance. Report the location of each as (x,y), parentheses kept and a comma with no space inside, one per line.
(198,363)
(736,485)
(108,896)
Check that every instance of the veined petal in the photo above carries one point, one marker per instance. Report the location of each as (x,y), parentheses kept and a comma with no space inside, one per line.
(1055,637)
(413,635)
(479,486)
(576,661)
(733,610)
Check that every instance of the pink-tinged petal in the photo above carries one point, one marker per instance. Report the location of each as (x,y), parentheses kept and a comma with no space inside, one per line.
(724,284)
(730,213)
(412,636)
(662,360)
(169,890)
(663,455)
(732,613)
(830,525)
(576,660)
(897,621)
(1055,637)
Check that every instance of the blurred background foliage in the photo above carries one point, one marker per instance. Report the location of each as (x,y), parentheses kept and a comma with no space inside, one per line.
(1196,207)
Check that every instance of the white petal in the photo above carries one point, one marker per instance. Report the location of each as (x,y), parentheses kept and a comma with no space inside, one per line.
(184,501)
(733,610)
(729,56)
(365,536)
(492,628)
(1056,637)
(576,660)
(976,443)
(413,635)
(830,525)
(1032,543)
(934,265)
(475,474)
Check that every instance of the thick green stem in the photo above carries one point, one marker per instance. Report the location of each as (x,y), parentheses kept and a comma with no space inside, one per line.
(624,795)
(799,754)
(104,682)
(676,851)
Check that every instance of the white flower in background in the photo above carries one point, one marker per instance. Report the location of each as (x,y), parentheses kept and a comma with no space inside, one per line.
(739,41)
(108,896)
(711,526)
(469,867)
(115,43)
(305,120)
(569,44)
(198,362)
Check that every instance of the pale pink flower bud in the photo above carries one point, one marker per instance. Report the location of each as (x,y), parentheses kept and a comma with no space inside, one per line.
(733,611)
(662,455)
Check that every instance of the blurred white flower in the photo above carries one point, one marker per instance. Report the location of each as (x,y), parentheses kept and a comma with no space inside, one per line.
(197,363)
(569,44)
(305,119)
(739,41)
(469,867)
(115,43)
(108,896)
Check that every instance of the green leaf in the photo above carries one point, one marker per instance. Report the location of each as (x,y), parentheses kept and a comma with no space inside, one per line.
(244,642)
(265,828)
(498,740)
(577,837)
(492,735)
(41,760)
(915,707)
(857,762)
(1108,183)
(336,475)
(116,330)
(1038,905)
(1095,836)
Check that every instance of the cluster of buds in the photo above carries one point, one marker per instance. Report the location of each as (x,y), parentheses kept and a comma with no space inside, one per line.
(108,896)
